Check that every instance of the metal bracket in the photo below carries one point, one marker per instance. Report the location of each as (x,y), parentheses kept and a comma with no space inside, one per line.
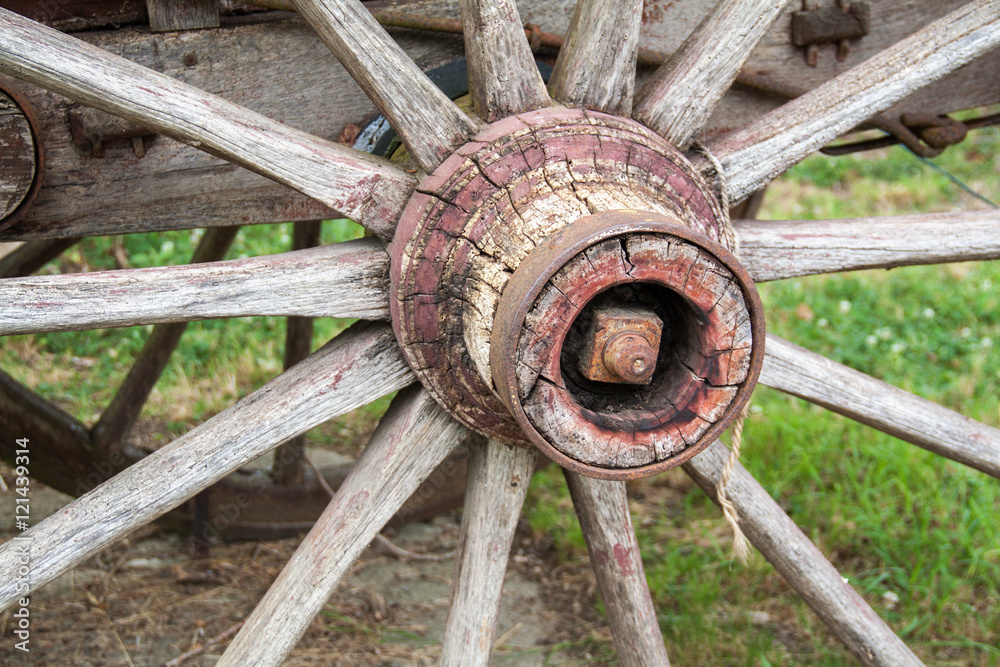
(838,23)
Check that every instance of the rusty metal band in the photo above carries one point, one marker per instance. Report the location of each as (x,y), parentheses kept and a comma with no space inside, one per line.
(9,88)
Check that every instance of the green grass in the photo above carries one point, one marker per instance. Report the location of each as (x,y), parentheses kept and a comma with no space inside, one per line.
(915,534)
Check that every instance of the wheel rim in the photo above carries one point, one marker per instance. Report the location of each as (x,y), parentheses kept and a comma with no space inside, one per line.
(376,196)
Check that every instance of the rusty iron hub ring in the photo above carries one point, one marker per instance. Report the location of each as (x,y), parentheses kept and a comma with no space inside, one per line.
(23,160)
(482,211)
(708,367)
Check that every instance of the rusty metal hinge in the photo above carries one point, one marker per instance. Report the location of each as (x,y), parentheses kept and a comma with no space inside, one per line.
(837,23)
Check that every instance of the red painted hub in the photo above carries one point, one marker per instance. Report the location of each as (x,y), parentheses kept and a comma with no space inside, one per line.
(491,208)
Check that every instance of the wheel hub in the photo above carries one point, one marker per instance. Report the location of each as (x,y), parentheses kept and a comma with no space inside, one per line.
(560,281)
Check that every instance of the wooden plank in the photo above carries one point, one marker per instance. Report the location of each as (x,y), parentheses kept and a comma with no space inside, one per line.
(815,378)
(759,152)
(679,99)
(123,411)
(496,485)
(167,15)
(801,564)
(413,437)
(503,77)
(772,250)
(369,190)
(430,124)
(588,73)
(355,368)
(614,554)
(289,466)
(31,256)
(343,280)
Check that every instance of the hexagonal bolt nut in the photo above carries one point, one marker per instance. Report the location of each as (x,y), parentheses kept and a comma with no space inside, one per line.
(622,345)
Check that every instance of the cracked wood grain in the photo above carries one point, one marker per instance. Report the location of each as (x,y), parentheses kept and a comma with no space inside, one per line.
(587,72)
(429,123)
(817,379)
(772,250)
(503,77)
(802,565)
(496,484)
(347,279)
(602,507)
(758,152)
(369,190)
(355,368)
(685,90)
(414,436)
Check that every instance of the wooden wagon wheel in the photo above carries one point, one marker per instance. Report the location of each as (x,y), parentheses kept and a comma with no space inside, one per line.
(497,243)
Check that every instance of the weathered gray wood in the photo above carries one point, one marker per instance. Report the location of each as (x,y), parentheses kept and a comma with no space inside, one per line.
(596,65)
(367,189)
(343,280)
(681,96)
(413,437)
(182,14)
(772,250)
(19,162)
(33,255)
(429,123)
(123,411)
(503,77)
(355,368)
(760,151)
(614,554)
(801,563)
(811,376)
(496,484)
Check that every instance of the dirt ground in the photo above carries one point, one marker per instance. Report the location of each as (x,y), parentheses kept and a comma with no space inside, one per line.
(145,602)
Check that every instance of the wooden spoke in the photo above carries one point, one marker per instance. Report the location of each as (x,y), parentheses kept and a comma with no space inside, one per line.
(682,94)
(342,280)
(496,484)
(31,256)
(289,466)
(366,189)
(119,417)
(771,250)
(354,369)
(413,437)
(587,72)
(503,77)
(801,564)
(759,151)
(811,376)
(430,124)
(614,554)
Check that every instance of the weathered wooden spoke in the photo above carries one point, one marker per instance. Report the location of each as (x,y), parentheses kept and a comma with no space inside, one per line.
(366,189)
(119,417)
(413,437)
(496,483)
(681,96)
(428,122)
(924,423)
(590,74)
(614,554)
(503,77)
(772,250)
(293,283)
(33,255)
(757,153)
(801,564)
(354,369)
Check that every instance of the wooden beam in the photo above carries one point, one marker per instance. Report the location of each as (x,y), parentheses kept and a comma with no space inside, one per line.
(302,282)
(413,437)
(360,365)
(799,372)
